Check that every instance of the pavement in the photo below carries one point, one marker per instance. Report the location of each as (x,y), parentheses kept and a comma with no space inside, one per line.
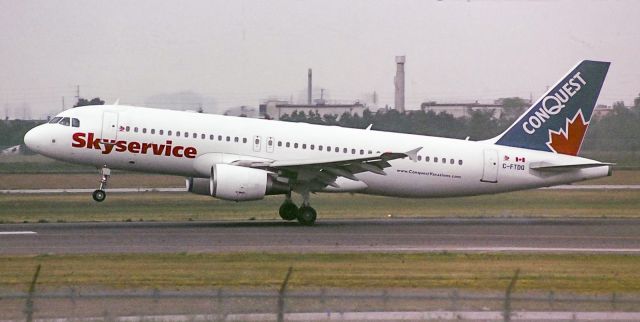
(388,235)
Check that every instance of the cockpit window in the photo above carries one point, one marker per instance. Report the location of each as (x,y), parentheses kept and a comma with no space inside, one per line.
(75,122)
(55,120)
(65,121)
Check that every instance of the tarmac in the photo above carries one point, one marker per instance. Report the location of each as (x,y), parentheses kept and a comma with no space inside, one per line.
(388,235)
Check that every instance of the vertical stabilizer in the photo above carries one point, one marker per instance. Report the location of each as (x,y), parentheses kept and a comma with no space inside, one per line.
(558,121)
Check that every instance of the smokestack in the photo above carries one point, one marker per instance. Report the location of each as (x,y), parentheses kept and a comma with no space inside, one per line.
(399,83)
(309,88)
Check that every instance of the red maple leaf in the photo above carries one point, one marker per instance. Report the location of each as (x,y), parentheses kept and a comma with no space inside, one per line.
(568,141)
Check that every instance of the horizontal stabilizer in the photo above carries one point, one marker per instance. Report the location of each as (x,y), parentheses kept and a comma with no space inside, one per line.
(547,166)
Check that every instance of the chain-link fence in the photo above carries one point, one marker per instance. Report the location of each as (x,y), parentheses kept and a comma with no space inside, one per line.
(73,304)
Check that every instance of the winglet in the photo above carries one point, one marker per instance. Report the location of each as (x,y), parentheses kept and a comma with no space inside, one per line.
(369,127)
(117,102)
(413,154)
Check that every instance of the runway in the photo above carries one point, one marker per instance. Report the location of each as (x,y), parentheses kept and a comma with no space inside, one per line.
(392,235)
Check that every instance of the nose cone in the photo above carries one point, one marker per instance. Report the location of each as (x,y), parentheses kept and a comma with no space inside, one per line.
(33,139)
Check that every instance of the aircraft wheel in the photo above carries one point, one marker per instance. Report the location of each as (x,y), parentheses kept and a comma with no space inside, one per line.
(306,216)
(288,210)
(99,195)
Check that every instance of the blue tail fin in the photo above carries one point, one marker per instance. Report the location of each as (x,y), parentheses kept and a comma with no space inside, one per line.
(558,121)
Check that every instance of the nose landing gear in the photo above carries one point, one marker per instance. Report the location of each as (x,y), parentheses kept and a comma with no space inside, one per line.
(100,194)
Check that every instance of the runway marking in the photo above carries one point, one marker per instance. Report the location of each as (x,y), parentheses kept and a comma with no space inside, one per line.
(382,316)
(512,249)
(18,233)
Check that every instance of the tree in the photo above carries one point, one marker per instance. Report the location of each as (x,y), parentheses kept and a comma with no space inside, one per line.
(513,106)
(85,102)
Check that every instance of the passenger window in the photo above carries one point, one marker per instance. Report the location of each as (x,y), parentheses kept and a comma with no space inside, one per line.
(419,158)
(353,151)
(75,123)
(135,129)
(337,149)
(288,144)
(452,161)
(161,132)
(128,128)
(211,137)
(195,135)
(435,159)
(65,121)
(153,131)
(169,133)
(228,138)
(369,152)
(345,150)
(144,130)
(426,159)
(312,147)
(219,137)
(279,143)
(361,151)
(55,120)
(304,146)
(319,147)
(186,134)
(236,139)
(177,133)
(244,140)
(460,162)
(295,145)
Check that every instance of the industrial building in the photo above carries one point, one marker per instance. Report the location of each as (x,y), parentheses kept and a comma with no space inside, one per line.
(276,109)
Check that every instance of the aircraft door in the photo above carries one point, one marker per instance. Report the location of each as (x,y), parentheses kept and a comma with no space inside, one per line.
(490,171)
(270,143)
(109,125)
(256,143)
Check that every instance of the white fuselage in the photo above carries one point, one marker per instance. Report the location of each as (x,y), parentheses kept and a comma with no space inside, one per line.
(445,167)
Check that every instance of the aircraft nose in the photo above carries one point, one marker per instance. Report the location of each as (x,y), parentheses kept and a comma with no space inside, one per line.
(33,139)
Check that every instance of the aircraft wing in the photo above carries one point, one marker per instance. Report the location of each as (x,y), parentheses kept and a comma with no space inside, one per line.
(316,174)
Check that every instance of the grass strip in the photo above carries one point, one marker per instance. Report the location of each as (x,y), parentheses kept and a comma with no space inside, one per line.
(579,273)
(153,206)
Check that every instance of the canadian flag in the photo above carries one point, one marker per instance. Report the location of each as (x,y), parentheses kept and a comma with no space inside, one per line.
(519,159)
(506,158)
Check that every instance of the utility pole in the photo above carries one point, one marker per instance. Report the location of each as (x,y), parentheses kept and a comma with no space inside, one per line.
(77,94)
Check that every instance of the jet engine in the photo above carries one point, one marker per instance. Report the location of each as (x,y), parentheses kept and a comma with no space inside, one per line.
(230,182)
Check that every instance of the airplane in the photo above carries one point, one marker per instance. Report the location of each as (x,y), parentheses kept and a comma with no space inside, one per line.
(240,159)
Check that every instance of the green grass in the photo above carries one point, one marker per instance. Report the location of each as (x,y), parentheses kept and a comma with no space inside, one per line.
(184,206)
(539,272)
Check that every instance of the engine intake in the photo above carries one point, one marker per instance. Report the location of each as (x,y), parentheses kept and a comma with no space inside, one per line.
(230,182)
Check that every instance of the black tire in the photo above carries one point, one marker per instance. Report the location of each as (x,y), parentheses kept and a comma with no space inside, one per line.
(288,211)
(99,195)
(307,216)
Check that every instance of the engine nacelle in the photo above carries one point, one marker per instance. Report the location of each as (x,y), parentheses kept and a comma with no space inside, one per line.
(230,182)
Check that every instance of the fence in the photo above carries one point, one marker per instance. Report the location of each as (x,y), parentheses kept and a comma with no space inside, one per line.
(285,304)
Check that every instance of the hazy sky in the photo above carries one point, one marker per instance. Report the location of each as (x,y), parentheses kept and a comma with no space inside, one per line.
(240,52)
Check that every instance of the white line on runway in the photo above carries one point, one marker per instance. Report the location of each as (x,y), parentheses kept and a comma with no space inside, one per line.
(508,249)
(18,233)
(383,316)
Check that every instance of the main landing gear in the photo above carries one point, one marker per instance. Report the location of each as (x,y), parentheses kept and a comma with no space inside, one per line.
(100,194)
(305,215)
